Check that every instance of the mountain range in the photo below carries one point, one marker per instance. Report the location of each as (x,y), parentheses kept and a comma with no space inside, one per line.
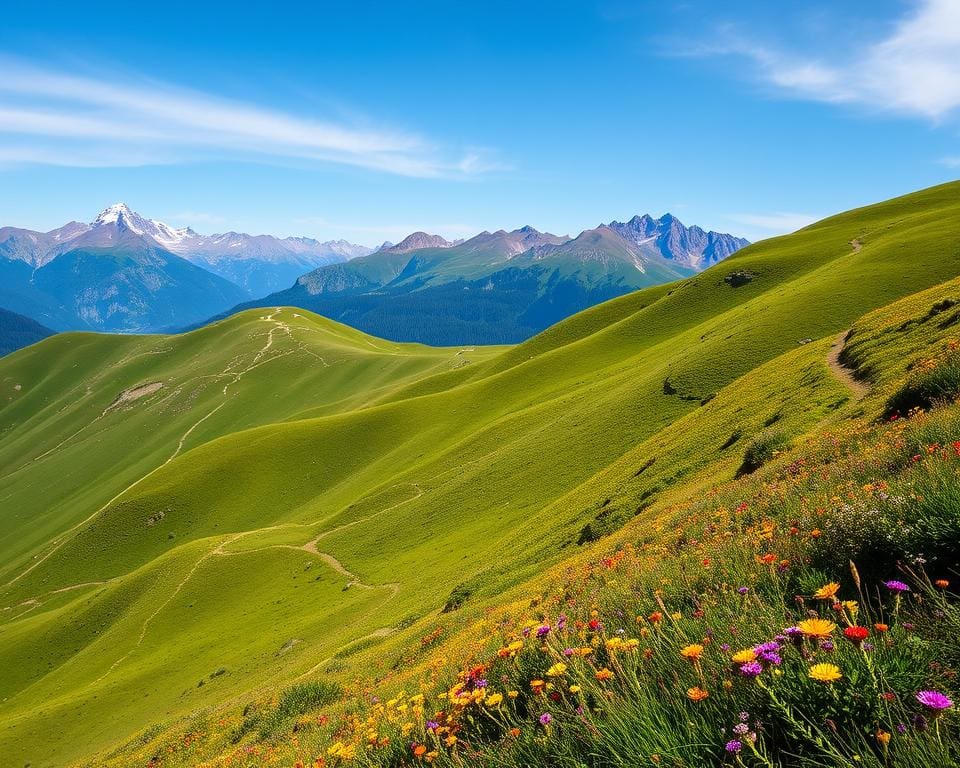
(124,272)
(500,287)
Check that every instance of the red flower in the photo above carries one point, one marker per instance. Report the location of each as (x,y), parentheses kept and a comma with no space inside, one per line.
(856,635)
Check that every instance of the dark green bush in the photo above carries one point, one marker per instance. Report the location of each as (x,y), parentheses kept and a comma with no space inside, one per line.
(932,383)
(761,449)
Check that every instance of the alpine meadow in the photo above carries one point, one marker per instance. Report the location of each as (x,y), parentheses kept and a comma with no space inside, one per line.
(345,459)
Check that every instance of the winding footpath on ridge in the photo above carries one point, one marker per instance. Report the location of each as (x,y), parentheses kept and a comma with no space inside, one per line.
(841,371)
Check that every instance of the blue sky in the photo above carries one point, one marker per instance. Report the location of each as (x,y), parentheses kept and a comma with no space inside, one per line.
(369,120)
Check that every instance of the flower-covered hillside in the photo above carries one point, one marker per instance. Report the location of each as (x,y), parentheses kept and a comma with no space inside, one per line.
(801,614)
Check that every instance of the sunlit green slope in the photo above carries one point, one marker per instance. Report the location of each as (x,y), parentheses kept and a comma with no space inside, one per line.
(295,486)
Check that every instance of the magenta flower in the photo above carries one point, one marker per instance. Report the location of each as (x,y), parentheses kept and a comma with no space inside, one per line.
(751,669)
(734,746)
(545,718)
(935,701)
(896,586)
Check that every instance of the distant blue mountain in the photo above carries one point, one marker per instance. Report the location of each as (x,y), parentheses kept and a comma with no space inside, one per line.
(17,331)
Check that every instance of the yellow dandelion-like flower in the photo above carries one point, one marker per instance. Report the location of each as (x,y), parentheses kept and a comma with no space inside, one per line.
(818,628)
(692,652)
(827,591)
(825,673)
(744,657)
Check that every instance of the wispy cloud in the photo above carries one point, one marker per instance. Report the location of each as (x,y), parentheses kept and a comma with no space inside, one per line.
(950,162)
(66,119)
(772,224)
(914,70)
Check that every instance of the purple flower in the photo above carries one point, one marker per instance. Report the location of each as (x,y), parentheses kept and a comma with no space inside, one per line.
(751,669)
(733,747)
(543,630)
(480,683)
(725,647)
(744,716)
(766,647)
(901,728)
(741,729)
(432,725)
(826,645)
(743,590)
(568,652)
(896,586)
(561,623)
(545,718)
(866,647)
(934,701)
(771,657)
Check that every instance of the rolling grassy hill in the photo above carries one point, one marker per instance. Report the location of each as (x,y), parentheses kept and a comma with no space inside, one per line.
(236,506)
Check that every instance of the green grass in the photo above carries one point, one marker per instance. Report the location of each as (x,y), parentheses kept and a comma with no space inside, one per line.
(417,469)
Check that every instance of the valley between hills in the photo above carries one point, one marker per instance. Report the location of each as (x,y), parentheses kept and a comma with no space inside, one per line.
(198,524)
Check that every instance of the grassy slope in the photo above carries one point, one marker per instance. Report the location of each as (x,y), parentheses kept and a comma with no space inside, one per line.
(410,473)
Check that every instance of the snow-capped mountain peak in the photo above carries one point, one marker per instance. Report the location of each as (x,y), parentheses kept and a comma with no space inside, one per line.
(121,216)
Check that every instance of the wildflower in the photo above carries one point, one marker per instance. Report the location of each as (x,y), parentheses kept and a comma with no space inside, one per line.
(557,669)
(546,718)
(827,591)
(697,694)
(494,699)
(537,686)
(751,669)
(655,618)
(575,689)
(881,627)
(692,652)
(856,635)
(745,656)
(603,674)
(941,583)
(512,694)
(733,747)
(934,701)
(825,673)
(594,624)
(419,750)
(514,732)
(818,628)
(883,738)
(742,590)
(768,559)
(896,587)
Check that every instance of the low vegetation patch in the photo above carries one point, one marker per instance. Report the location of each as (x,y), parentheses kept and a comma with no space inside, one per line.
(932,381)
(762,449)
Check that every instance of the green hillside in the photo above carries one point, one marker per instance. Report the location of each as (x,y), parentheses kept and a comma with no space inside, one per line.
(230,508)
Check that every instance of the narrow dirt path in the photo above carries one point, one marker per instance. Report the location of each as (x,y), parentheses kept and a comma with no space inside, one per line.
(842,372)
